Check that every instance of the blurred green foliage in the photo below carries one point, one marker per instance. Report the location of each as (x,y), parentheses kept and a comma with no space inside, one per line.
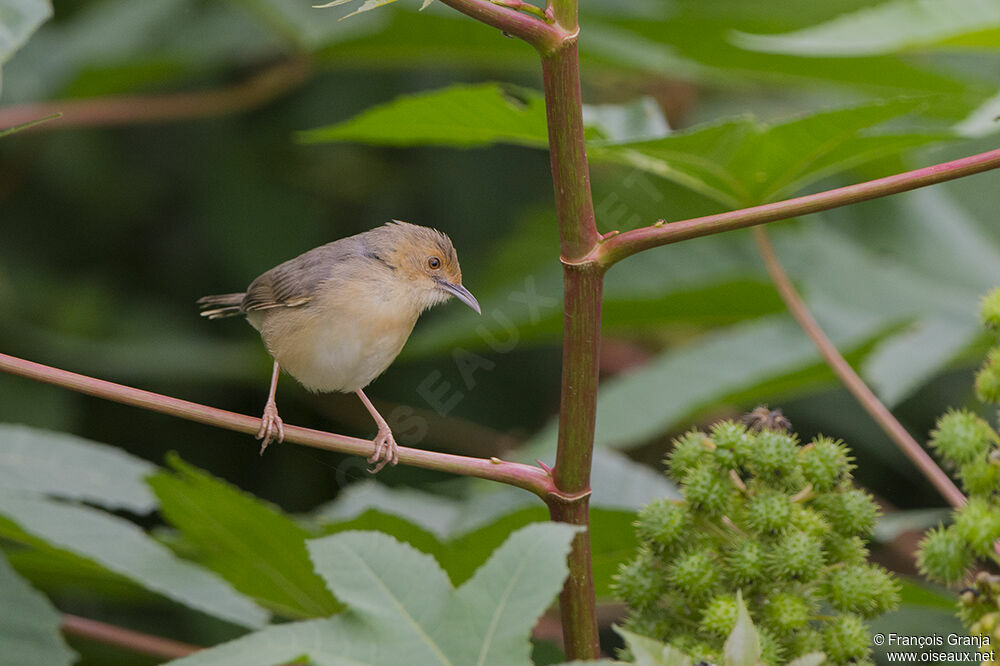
(110,234)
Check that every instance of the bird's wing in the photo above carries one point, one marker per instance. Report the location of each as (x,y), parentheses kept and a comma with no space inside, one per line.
(293,283)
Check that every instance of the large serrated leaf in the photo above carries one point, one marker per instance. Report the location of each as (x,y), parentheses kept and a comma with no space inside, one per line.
(256,547)
(889,27)
(29,625)
(403,609)
(460,116)
(123,548)
(735,162)
(744,162)
(50,463)
(466,531)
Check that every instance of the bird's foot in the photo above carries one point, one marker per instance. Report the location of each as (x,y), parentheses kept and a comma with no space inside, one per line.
(272,429)
(386,450)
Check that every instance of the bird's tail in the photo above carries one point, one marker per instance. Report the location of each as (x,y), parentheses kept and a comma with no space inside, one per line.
(221,305)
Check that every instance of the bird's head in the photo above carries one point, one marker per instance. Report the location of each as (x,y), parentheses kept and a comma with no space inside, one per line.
(424,259)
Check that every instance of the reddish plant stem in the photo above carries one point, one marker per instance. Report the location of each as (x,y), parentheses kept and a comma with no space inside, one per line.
(565,12)
(533,479)
(568,153)
(629,242)
(133,641)
(262,87)
(864,395)
(542,35)
(577,601)
(582,293)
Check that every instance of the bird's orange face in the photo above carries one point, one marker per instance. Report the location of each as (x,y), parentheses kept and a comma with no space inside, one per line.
(427,260)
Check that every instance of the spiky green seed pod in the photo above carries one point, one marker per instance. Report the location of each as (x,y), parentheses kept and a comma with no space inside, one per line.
(989,309)
(732,436)
(640,582)
(719,616)
(961,436)
(825,463)
(978,524)
(745,561)
(695,573)
(809,521)
(706,490)
(845,550)
(806,642)
(786,612)
(690,451)
(864,589)
(774,454)
(988,378)
(771,649)
(769,512)
(795,556)
(849,512)
(980,478)
(663,523)
(943,555)
(846,639)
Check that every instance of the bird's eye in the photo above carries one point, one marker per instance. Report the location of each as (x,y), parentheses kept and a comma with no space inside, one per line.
(433,263)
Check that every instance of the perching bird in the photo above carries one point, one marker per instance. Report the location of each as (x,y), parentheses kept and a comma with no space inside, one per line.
(336,316)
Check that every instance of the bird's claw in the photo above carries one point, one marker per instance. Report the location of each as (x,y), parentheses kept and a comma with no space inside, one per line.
(386,450)
(272,429)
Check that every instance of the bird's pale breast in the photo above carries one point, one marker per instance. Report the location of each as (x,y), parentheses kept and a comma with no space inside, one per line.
(343,340)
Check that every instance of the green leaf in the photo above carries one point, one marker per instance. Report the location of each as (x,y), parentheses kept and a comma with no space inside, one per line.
(742,648)
(702,33)
(29,625)
(439,515)
(50,463)
(916,592)
(403,609)
(735,162)
(253,545)
(18,20)
(893,26)
(636,406)
(461,116)
(651,652)
(123,548)
(466,531)
(744,162)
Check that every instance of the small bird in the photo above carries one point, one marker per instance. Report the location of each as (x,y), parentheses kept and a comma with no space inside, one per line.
(336,317)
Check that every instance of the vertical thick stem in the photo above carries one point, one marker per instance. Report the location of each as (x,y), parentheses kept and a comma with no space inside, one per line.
(582,288)
(577,605)
(570,170)
(577,409)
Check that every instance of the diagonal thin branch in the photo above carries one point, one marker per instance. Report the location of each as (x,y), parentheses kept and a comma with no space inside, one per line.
(133,641)
(103,111)
(864,395)
(528,477)
(628,243)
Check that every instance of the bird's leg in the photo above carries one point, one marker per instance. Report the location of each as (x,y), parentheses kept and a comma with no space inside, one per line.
(386,450)
(271,427)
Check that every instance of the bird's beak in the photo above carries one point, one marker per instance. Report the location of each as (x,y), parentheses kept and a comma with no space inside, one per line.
(462,294)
